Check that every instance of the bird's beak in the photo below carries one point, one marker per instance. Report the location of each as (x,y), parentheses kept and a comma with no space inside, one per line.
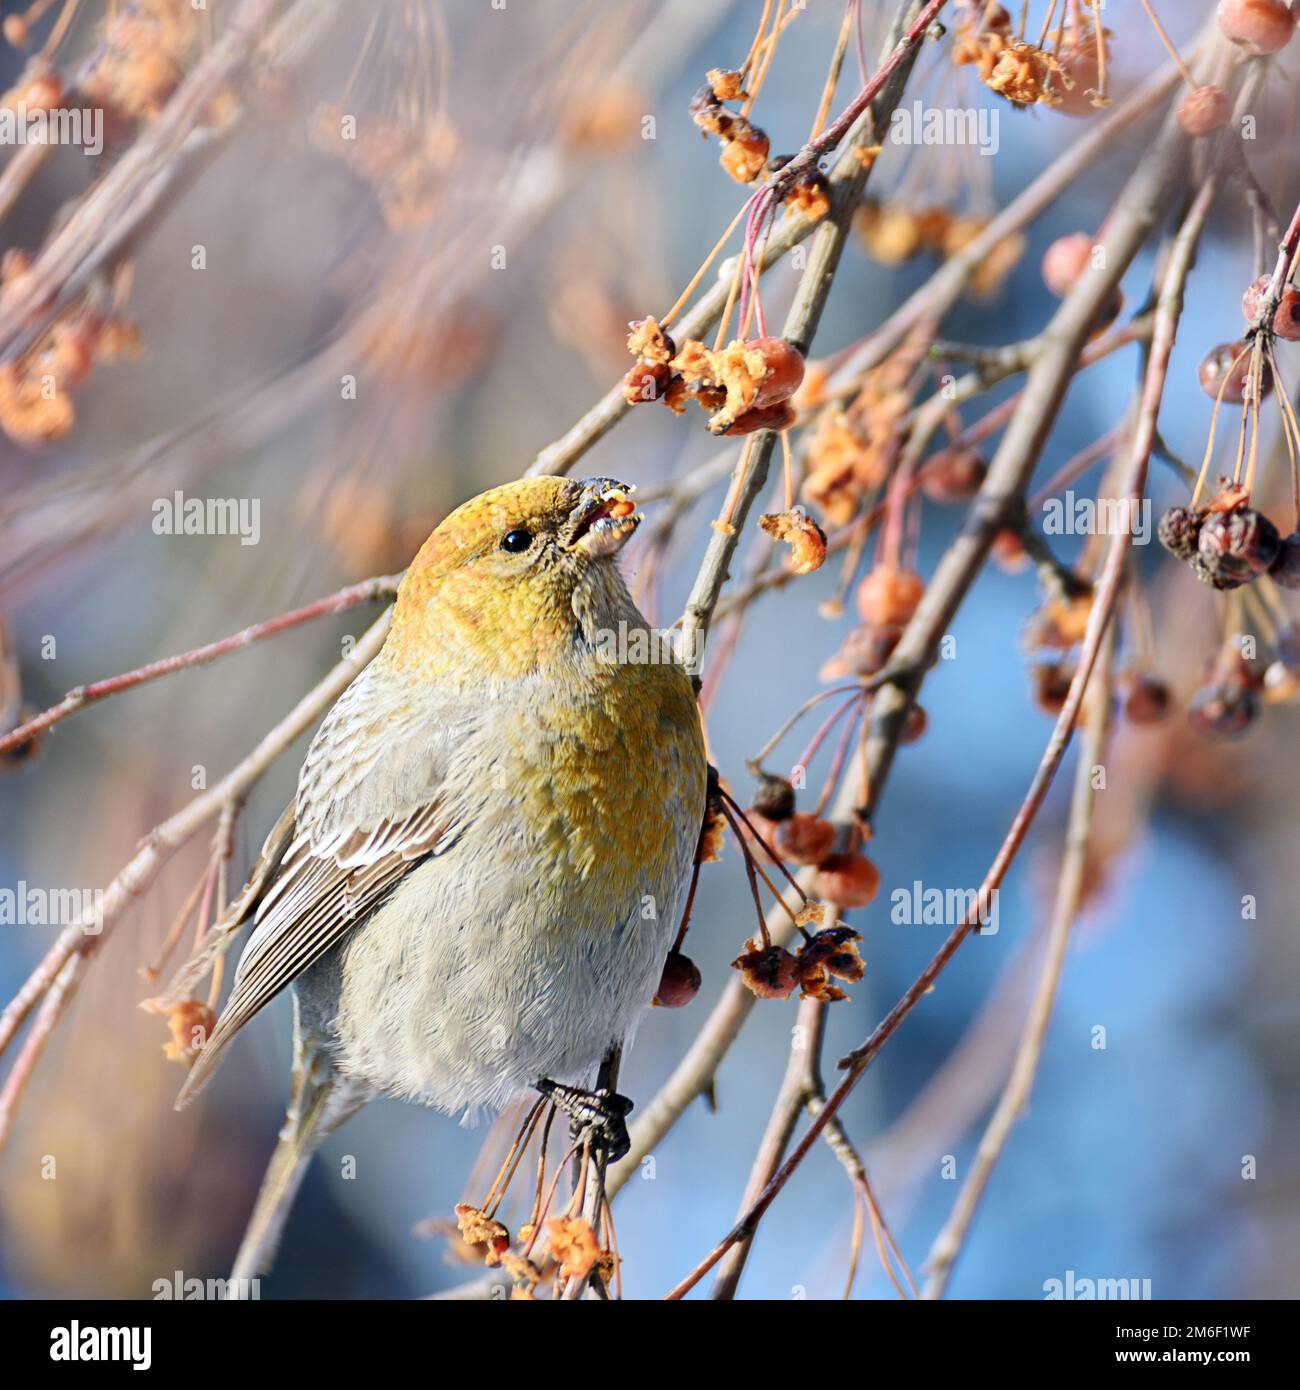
(603,518)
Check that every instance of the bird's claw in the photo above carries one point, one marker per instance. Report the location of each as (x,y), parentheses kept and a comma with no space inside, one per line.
(595,1117)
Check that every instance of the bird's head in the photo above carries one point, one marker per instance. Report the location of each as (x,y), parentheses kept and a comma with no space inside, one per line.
(507,580)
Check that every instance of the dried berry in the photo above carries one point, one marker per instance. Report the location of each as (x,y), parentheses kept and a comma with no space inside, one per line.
(888,596)
(1204,109)
(679,983)
(831,952)
(807,540)
(1233,362)
(955,476)
(1076,87)
(1178,530)
(1235,546)
(1052,684)
(848,880)
(804,838)
(744,155)
(1262,26)
(915,724)
(647,381)
(775,798)
(864,651)
(1147,701)
(767,417)
(1223,709)
(770,972)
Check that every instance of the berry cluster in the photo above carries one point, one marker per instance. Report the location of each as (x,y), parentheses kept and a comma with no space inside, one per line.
(1229,543)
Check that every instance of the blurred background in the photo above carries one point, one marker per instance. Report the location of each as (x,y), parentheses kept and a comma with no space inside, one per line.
(526,180)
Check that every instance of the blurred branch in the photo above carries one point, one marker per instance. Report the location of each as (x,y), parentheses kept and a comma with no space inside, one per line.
(382,587)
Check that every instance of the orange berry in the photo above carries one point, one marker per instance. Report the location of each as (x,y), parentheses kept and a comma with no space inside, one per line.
(744,156)
(804,838)
(1263,26)
(1204,109)
(888,596)
(955,476)
(847,880)
(785,367)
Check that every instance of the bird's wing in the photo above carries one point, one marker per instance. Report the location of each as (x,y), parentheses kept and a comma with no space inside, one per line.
(372,802)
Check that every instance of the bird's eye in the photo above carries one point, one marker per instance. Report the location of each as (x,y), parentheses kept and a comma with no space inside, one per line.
(516,540)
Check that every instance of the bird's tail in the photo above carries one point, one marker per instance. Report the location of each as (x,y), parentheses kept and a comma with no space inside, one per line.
(320,1100)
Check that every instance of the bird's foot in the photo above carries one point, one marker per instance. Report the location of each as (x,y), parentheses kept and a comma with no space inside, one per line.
(595,1117)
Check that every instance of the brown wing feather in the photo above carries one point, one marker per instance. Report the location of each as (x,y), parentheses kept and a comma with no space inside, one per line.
(360,828)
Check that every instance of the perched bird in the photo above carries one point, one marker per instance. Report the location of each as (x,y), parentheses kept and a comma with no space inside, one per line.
(476,886)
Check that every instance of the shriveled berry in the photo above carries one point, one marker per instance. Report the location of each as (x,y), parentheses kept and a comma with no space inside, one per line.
(1147,701)
(1231,361)
(1178,530)
(1065,260)
(1262,26)
(956,477)
(848,880)
(888,596)
(770,972)
(744,156)
(1223,709)
(1051,685)
(1237,545)
(679,983)
(1204,109)
(1285,568)
(768,417)
(785,368)
(863,652)
(804,838)
(646,381)
(774,799)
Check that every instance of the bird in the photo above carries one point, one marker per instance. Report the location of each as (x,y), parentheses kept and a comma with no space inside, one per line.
(474,891)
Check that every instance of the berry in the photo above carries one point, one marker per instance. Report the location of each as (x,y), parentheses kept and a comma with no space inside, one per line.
(1263,26)
(956,477)
(863,652)
(1235,546)
(679,983)
(1286,319)
(744,156)
(914,725)
(1204,109)
(1285,568)
(1065,260)
(888,596)
(646,381)
(1178,530)
(768,417)
(771,972)
(785,367)
(1082,65)
(1009,552)
(774,799)
(1224,708)
(1218,364)
(1052,685)
(804,838)
(1147,701)
(847,880)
